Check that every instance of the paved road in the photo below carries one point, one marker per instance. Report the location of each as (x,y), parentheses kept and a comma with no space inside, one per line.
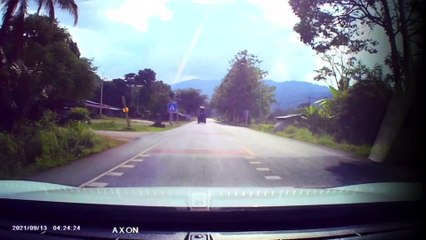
(217,155)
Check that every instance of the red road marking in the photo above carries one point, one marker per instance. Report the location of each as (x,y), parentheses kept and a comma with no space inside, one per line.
(199,151)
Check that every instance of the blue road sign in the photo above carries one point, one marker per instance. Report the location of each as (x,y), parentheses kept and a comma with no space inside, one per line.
(172,107)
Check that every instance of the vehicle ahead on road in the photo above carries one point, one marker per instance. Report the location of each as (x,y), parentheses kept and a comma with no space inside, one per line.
(202,115)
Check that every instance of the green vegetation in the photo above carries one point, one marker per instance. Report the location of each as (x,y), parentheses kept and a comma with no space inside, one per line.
(145,96)
(327,27)
(263,127)
(305,135)
(120,124)
(189,100)
(48,73)
(354,115)
(78,114)
(41,74)
(44,144)
(332,29)
(242,95)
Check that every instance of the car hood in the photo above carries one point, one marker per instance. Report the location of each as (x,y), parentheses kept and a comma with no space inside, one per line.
(212,197)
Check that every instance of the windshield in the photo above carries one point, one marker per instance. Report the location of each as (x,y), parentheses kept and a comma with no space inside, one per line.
(218,98)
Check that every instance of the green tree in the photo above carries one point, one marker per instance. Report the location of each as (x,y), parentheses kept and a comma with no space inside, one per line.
(343,71)
(326,24)
(161,95)
(338,69)
(190,100)
(113,92)
(141,85)
(265,96)
(360,113)
(145,96)
(48,72)
(18,9)
(242,89)
(353,115)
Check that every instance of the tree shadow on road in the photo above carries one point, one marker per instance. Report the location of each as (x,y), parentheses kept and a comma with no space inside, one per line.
(348,173)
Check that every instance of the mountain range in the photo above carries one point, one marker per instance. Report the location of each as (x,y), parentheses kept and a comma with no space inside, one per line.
(289,94)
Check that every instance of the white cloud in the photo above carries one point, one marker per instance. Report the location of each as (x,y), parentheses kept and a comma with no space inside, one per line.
(92,45)
(277,12)
(279,71)
(137,13)
(213,1)
(294,39)
(89,42)
(189,77)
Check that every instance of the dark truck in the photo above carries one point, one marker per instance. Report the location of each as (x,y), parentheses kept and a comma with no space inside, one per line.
(201,115)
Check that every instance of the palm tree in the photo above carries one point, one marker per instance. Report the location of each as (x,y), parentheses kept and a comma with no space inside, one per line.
(19,8)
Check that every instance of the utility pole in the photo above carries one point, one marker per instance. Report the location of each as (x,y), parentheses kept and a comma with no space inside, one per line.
(126,111)
(102,96)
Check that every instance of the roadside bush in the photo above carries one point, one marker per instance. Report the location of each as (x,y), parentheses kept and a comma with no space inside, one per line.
(9,154)
(263,127)
(303,134)
(159,124)
(62,144)
(81,136)
(78,114)
(54,147)
(360,114)
(44,144)
(8,146)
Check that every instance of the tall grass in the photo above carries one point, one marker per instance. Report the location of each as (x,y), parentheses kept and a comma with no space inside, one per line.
(305,135)
(43,145)
(263,127)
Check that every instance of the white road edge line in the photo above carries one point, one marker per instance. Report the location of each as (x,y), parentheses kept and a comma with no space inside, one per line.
(123,163)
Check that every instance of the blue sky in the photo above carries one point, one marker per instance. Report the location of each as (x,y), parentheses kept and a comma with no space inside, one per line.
(186,39)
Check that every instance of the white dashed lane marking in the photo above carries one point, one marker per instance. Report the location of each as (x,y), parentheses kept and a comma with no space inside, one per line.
(136,160)
(263,169)
(272,177)
(114,174)
(127,166)
(255,162)
(92,183)
(260,169)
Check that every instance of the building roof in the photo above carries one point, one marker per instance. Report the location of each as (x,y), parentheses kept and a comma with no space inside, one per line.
(290,116)
(93,104)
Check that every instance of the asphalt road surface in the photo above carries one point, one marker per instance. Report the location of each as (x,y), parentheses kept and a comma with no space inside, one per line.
(217,155)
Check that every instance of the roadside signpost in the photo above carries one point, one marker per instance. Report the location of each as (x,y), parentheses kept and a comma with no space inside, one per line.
(246,115)
(172,108)
(126,111)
